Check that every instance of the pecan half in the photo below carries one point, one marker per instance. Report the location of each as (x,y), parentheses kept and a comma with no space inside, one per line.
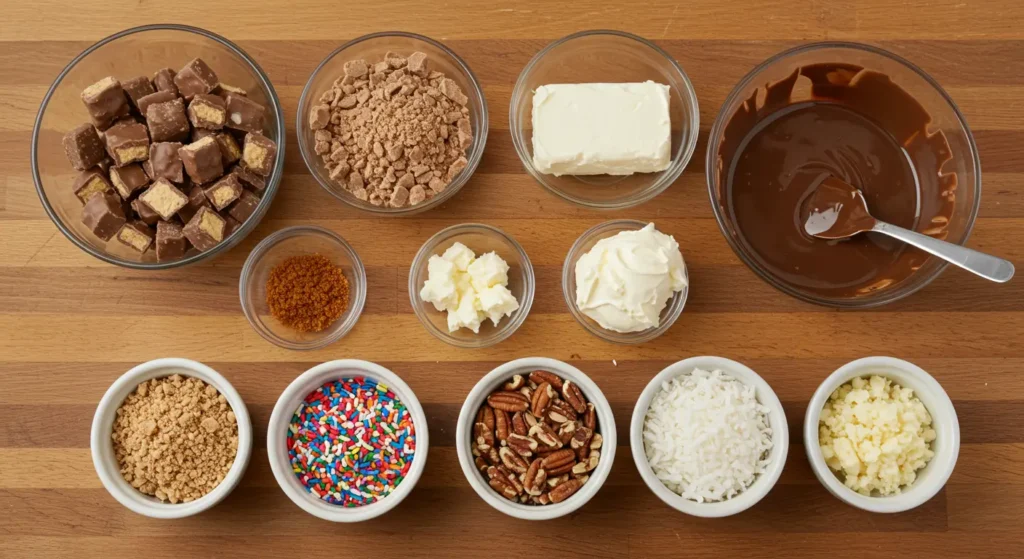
(519,425)
(559,412)
(502,425)
(533,482)
(504,488)
(508,401)
(566,431)
(565,490)
(581,438)
(588,465)
(574,396)
(596,441)
(542,499)
(558,459)
(487,417)
(548,377)
(541,398)
(481,464)
(527,391)
(512,460)
(545,435)
(563,470)
(484,436)
(530,419)
(590,417)
(515,384)
(525,446)
(511,478)
(492,457)
(555,481)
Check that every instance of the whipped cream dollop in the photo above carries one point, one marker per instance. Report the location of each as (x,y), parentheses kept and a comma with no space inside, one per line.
(626,280)
(468,288)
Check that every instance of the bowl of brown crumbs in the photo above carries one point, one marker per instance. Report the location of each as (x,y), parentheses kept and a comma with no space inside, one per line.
(392,123)
(302,287)
(170,438)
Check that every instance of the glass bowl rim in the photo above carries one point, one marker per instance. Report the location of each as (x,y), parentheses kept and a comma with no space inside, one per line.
(473,159)
(358,286)
(719,126)
(680,159)
(513,322)
(244,229)
(675,304)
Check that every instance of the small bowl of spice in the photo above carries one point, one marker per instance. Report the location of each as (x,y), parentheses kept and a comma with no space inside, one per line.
(709,436)
(882,435)
(302,288)
(170,438)
(347,440)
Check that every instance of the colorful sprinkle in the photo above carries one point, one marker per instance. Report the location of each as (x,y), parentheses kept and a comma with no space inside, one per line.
(351,442)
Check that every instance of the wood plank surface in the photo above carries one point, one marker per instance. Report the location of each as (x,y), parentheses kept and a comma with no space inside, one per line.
(61,311)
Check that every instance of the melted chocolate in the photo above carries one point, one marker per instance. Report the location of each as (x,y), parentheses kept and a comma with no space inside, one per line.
(858,126)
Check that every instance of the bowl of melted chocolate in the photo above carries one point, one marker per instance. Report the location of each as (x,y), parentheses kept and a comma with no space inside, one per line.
(867,117)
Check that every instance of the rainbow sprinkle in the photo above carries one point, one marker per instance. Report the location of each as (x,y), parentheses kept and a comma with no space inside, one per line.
(351,442)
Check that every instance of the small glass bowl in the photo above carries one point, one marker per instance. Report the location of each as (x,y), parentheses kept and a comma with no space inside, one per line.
(373,47)
(140,51)
(607,57)
(669,314)
(296,241)
(480,239)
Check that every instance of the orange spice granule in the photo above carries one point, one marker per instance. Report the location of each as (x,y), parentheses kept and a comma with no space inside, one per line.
(307,293)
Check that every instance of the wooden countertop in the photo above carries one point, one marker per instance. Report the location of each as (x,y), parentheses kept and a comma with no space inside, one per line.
(70,325)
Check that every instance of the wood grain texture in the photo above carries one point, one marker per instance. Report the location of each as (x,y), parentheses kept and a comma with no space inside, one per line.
(62,313)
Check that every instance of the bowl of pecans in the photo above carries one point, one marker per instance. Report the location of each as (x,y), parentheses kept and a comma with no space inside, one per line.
(536,438)
(392,123)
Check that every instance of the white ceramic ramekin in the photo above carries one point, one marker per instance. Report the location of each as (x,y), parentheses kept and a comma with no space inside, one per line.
(946,446)
(776,420)
(103,447)
(498,377)
(281,417)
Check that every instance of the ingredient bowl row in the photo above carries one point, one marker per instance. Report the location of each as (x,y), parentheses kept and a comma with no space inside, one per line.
(536,438)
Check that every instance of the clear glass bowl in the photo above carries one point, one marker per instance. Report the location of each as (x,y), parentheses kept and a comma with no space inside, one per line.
(945,117)
(136,52)
(295,241)
(372,48)
(669,314)
(604,56)
(480,239)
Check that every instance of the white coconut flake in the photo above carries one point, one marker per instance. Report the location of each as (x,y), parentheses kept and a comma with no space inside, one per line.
(706,436)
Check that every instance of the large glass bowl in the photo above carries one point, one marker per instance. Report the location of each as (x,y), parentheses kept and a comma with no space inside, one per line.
(372,48)
(602,56)
(945,117)
(140,51)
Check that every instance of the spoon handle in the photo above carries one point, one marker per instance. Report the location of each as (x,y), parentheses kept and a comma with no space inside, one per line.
(985,265)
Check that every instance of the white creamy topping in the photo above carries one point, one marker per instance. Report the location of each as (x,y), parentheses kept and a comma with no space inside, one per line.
(470,289)
(601,128)
(626,280)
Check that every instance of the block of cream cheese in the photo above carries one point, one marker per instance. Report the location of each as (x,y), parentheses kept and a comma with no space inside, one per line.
(601,128)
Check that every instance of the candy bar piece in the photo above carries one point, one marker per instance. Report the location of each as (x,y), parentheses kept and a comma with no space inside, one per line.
(249,178)
(164,198)
(154,99)
(224,192)
(164,162)
(163,80)
(103,215)
(196,199)
(145,213)
(84,147)
(127,143)
(170,241)
(105,102)
(137,88)
(90,182)
(230,225)
(244,114)
(167,121)
(207,111)
(195,78)
(128,179)
(258,154)
(223,89)
(205,230)
(136,235)
(245,206)
(202,160)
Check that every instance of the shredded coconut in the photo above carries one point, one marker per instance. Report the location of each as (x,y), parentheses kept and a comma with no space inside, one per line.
(706,436)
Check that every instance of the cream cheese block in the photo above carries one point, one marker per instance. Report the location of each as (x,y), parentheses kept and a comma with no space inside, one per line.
(601,128)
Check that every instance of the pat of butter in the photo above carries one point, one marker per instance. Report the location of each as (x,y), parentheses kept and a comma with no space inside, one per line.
(601,128)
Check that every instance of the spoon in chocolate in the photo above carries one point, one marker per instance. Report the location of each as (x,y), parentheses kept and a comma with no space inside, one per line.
(837,210)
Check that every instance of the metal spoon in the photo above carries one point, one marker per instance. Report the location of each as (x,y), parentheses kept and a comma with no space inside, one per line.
(837,210)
